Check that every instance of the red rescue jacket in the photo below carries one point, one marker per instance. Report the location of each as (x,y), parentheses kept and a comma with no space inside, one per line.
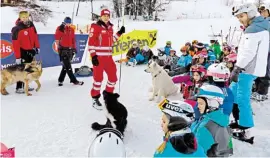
(66,36)
(101,39)
(24,37)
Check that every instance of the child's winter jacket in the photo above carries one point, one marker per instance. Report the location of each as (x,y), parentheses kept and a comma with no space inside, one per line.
(212,128)
(167,50)
(184,60)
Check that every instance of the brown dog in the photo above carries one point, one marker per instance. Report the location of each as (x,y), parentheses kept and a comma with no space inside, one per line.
(25,73)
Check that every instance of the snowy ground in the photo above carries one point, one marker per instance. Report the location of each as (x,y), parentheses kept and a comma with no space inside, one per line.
(56,121)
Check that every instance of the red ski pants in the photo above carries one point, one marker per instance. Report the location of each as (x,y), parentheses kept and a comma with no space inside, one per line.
(106,64)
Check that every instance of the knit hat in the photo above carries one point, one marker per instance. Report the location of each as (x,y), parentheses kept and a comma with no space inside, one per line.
(105,12)
(23,13)
(67,20)
(169,42)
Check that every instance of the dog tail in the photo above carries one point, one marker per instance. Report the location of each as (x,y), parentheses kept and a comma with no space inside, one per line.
(96,126)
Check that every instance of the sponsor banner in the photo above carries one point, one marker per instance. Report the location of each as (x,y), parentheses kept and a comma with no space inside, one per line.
(48,50)
(143,37)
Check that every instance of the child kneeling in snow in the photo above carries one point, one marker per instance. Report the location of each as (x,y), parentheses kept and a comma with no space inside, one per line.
(212,128)
(179,141)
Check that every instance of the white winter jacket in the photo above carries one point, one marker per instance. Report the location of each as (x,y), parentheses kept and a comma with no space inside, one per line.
(253,48)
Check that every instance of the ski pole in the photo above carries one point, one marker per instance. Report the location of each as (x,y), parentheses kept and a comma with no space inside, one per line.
(120,76)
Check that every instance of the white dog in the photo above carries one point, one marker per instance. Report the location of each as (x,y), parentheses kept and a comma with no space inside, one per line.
(163,85)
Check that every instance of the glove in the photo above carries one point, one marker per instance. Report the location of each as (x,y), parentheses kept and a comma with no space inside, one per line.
(95,60)
(235,73)
(74,51)
(18,61)
(37,50)
(122,30)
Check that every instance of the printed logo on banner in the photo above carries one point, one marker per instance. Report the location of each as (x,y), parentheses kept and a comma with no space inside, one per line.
(6,49)
(55,47)
(7,152)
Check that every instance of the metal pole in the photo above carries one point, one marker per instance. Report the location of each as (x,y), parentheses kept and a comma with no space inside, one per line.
(92,10)
(78,7)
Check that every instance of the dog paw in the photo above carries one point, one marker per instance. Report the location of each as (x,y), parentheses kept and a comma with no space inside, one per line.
(37,89)
(151,99)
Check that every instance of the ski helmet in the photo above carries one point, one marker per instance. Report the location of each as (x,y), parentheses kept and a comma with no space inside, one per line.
(168,43)
(231,58)
(198,68)
(219,72)
(108,143)
(212,94)
(250,9)
(146,48)
(177,108)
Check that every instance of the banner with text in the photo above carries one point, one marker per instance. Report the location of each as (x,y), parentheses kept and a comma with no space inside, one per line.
(143,37)
(48,50)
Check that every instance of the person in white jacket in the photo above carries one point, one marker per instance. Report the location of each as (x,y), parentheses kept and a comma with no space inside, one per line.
(251,62)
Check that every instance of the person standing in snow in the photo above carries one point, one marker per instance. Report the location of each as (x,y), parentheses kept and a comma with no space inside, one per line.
(215,46)
(251,62)
(178,141)
(25,43)
(65,39)
(262,83)
(100,44)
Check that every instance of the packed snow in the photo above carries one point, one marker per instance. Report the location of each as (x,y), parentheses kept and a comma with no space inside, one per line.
(56,121)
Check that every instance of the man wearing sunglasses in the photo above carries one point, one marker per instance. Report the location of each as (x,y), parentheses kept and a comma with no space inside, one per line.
(25,43)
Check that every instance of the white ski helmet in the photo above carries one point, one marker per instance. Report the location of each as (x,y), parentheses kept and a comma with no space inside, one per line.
(219,72)
(213,94)
(145,48)
(177,108)
(108,143)
(250,9)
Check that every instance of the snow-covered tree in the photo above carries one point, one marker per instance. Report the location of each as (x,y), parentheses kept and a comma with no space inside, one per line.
(37,13)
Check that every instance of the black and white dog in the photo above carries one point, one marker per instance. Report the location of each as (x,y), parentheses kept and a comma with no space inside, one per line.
(116,113)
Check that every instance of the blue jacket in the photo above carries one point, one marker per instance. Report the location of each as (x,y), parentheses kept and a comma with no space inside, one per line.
(211,56)
(184,60)
(212,128)
(167,50)
(177,146)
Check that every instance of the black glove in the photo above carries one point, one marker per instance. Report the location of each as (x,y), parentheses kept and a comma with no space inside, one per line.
(74,51)
(235,73)
(122,30)
(95,60)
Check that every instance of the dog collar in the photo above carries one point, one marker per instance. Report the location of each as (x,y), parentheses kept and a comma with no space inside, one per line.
(157,74)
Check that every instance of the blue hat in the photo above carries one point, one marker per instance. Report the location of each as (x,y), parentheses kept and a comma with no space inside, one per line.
(67,20)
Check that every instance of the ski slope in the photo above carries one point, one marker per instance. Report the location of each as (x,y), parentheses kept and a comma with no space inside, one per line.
(56,121)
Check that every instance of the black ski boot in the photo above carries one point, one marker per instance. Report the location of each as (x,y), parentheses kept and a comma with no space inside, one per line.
(96,103)
(240,134)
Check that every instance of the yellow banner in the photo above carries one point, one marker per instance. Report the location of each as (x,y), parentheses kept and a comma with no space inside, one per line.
(143,37)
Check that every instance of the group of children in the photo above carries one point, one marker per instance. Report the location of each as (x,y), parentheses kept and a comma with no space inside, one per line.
(199,126)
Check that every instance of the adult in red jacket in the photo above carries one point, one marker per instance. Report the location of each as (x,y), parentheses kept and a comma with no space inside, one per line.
(65,39)
(25,43)
(101,40)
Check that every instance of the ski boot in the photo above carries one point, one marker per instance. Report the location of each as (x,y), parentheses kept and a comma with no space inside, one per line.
(96,104)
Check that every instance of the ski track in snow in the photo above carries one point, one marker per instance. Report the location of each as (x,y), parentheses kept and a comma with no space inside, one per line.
(56,122)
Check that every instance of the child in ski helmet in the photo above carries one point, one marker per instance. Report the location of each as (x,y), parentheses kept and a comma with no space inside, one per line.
(212,127)
(183,64)
(108,143)
(218,74)
(147,53)
(168,47)
(230,61)
(178,141)
(171,61)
